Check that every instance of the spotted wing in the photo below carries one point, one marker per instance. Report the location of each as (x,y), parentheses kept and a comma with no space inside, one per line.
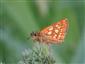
(56,32)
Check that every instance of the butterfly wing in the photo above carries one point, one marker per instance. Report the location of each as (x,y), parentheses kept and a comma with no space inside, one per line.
(56,32)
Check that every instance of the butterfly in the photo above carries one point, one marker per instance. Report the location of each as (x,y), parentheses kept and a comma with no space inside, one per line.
(53,34)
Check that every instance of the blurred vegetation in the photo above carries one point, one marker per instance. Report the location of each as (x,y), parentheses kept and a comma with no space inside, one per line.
(39,54)
(18,18)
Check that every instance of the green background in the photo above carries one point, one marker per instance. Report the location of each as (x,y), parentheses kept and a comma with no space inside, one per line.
(18,18)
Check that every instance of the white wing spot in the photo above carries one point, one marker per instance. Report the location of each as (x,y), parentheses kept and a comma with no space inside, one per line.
(60,33)
(49,33)
(54,36)
(56,31)
(56,25)
(59,36)
(50,28)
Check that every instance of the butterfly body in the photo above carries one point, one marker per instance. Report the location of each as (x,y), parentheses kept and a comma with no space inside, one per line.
(41,38)
(53,34)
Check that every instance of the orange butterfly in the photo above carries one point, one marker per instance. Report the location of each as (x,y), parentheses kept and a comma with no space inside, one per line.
(54,33)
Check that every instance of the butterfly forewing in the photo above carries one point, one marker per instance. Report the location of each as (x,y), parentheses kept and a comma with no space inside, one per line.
(56,32)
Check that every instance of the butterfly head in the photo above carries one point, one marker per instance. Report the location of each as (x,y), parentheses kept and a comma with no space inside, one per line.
(34,35)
